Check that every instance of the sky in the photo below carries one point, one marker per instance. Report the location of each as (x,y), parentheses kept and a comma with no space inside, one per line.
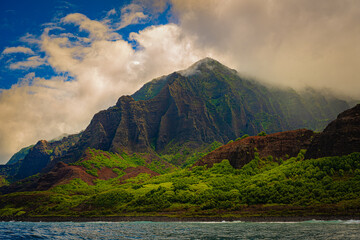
(63,61)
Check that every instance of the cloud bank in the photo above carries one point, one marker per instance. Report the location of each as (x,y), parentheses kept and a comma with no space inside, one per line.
(290,43)
(287,43)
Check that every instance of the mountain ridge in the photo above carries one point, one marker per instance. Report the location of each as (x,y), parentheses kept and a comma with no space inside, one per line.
(340,137)
(281,145)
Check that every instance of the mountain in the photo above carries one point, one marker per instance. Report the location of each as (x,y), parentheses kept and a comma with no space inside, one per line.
(20,155)
(253,176)
(188,110)
(31,160)
(340,137)
(207,102)
(94,166)
(231,96)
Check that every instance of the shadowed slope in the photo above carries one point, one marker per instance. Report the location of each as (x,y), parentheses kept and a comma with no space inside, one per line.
(340,137)
(278,145)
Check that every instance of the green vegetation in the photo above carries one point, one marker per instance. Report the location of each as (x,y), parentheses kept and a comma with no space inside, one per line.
(19,155)
(327,185)
(243,137)
(262,133)
(150,89)
(97,159)
(183,156)
(3,181)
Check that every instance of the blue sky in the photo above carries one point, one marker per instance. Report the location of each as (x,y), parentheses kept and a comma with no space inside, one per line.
(21,18)
(63,61)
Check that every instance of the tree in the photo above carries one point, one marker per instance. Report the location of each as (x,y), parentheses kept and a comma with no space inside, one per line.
(262,133)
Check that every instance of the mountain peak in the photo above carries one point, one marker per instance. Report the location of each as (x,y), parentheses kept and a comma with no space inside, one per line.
(201,65)
(207,60)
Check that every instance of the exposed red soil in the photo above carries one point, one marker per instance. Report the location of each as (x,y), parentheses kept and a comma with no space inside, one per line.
(279,145)
(149,157)
(134,171)
(86,156)
(62,173)
(106,173)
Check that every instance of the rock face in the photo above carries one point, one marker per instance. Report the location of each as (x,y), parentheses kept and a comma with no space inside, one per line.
(340,137)
(19,156)
(8,172)
(42,154)
(279,145)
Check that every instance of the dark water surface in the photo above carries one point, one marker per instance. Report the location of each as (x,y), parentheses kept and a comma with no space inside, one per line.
(181,230)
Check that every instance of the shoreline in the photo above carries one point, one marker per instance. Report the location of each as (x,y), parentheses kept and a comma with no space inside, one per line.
(177,219)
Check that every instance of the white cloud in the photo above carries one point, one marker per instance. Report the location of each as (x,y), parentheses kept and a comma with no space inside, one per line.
(33,112)
(27,79)
(132,14)
(137,12)
(290,43)
(96,29)
(167,40)
(23,50)
(111,12)
(30,62)
(30,39)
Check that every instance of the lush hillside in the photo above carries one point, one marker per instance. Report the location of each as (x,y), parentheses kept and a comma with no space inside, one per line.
(95,160)
(274,182)
(94,165)
(263,187)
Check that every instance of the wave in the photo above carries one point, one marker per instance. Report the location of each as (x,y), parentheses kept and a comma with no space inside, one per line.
(350,221)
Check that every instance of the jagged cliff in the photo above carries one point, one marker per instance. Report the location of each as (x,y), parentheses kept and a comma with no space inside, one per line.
(39,156)
(340,137)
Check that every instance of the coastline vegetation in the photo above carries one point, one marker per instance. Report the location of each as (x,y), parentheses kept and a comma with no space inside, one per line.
(263,187)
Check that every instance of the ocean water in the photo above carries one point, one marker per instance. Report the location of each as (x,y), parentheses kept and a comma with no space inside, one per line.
(181,230)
